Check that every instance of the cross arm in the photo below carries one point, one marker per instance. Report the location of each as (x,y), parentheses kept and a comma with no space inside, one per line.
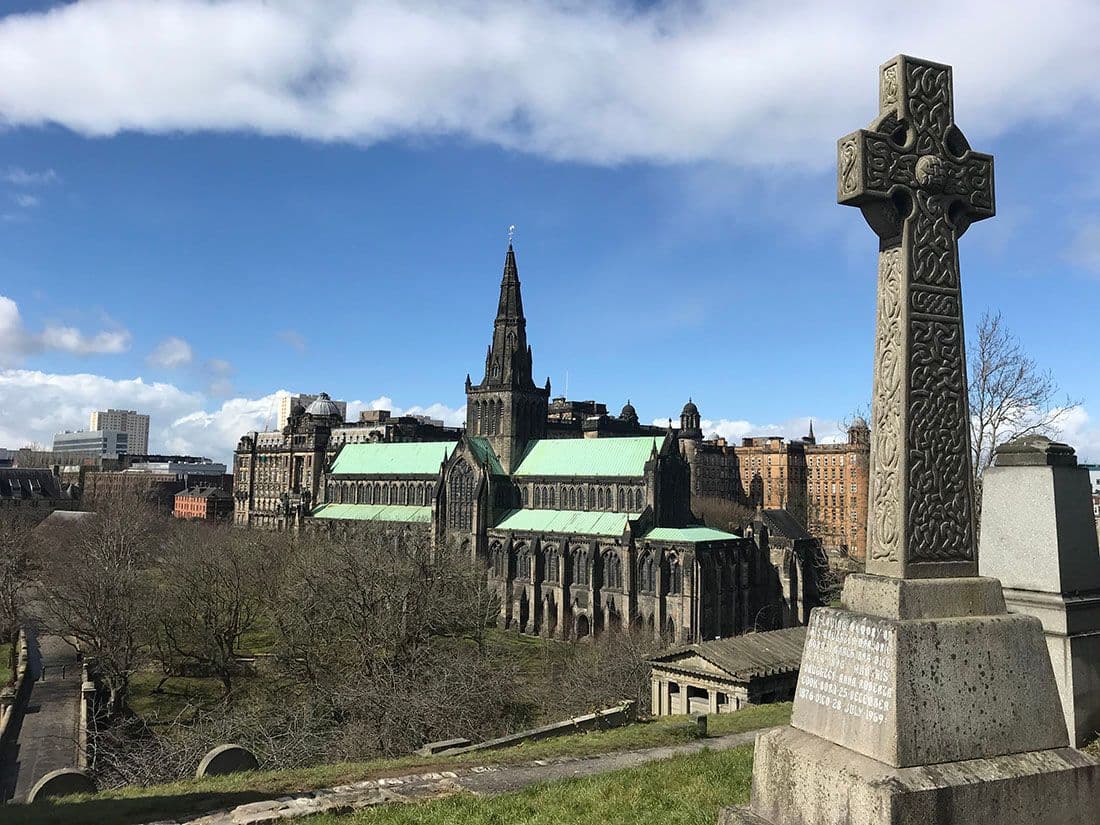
(868,165)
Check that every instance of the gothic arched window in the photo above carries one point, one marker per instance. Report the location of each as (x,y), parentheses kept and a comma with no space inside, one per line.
(647,581)
(553,498)
(639,500)
(580,498)
(460,496)
(523,495)
(599,497)
(523,564)
(612,570)
(675,575)
(550,567)
(496,558)
(622,499)
(580,567)
(538,496)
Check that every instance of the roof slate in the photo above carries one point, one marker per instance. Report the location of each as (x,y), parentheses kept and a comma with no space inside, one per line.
(375,512)
(402,459)
(690,535)
(574,522)
(743,657)
(588,457)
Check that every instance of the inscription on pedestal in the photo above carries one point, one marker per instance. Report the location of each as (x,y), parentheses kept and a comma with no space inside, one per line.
(846,667)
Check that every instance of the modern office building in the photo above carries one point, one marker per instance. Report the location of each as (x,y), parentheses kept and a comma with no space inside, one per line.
(95,443)
(134,424)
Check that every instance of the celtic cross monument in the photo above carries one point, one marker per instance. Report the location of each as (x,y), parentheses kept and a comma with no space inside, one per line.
(921,701)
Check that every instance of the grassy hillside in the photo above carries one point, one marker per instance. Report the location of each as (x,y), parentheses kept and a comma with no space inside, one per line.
(129,805)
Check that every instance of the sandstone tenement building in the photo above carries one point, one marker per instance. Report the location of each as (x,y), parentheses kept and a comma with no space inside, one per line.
(837,484)
(582,520)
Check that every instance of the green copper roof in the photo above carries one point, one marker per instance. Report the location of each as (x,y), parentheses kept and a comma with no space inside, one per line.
(689,535)
(484,451)
(375,512)
(588,457)
(421,458)
(566,521)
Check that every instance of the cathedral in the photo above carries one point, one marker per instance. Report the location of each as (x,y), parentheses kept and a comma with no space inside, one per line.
(582,521)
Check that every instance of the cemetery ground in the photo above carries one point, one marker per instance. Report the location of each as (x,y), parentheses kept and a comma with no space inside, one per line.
(687,788)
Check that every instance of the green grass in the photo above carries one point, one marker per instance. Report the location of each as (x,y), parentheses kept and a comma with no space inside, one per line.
(132,804)
(178,695)
(683,790)
(5,661)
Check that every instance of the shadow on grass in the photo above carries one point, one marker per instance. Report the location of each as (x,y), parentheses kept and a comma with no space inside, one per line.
(95,810)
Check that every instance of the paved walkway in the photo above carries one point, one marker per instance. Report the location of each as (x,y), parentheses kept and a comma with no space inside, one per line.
(483,779)
(47,734)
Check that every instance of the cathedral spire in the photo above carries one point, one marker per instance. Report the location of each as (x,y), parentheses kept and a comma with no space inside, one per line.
(510,307)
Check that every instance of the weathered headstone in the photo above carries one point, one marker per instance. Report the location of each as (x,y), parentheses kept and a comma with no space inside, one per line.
(1039,539)
(226,759)
(922,700)
(63,782)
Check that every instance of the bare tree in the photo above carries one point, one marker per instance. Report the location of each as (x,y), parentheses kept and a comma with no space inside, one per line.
(16,574)
(1010,395)
(723,513)
(210,588)
(95,586)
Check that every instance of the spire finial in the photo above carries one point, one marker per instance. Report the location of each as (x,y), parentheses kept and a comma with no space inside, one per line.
(511,234)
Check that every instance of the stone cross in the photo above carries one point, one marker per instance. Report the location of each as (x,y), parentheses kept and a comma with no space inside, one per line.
(920,186)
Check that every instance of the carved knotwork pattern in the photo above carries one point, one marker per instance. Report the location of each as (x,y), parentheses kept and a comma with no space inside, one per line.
(888,88)
(939,517)
(935,249)
(887,436)
(848,156)
(934,303)
(929,98)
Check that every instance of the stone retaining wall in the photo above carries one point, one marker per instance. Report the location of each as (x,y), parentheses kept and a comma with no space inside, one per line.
(22,687)
(600,720)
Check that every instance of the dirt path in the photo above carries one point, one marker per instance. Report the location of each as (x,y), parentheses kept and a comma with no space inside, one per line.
(482,779)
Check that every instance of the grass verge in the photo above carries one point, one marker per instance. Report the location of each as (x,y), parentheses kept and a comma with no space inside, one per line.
(5,664)
(132,804)
(683,790)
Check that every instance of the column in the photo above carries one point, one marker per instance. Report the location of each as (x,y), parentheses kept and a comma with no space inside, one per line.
(712,696)
(655,696)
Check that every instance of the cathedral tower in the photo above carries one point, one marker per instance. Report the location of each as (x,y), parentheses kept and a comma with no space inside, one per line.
(506,407)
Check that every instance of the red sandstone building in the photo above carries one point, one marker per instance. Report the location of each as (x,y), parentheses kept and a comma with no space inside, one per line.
(837,483)
(203,503)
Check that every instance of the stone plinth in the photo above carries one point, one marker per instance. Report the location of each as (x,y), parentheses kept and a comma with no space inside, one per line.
(1039,538)
(802,779)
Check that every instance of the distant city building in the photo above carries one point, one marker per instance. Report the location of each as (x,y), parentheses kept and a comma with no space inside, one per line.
(94,443)
(837,482)
(289,402)
(773,473)
(134,424)
(7,457)
(36,490)
(203,504)
(177,465)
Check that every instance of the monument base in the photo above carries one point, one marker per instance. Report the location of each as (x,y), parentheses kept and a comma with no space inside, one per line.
(802,779)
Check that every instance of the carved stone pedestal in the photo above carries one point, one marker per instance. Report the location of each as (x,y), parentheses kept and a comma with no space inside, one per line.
(922,702)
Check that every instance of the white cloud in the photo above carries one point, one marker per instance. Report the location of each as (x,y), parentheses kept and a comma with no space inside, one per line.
(16,341)
(826,430)
(450,416)
(170,353)
(1081,432)
(755,83)
(25,200)
(72,340)
(17,176)
(293,339)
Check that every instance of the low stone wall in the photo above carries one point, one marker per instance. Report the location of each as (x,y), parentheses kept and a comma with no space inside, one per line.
(614,717)
(20,691)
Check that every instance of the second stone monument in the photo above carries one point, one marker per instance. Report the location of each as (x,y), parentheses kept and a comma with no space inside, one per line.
(921,701)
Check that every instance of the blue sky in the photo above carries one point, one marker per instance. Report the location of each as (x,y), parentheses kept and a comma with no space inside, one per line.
(225,200)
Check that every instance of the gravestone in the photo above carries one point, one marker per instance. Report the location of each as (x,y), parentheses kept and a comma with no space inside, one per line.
(225,759)
(921,701)
(1039,539)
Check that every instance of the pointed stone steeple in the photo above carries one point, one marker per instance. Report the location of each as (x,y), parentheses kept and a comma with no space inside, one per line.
(507,407)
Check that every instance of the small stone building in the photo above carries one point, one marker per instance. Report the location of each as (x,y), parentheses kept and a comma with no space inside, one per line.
(724,675)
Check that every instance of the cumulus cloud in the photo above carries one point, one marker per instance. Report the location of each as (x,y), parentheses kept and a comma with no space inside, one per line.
(754,83)
(1084,249)
(170,353)
(17,342)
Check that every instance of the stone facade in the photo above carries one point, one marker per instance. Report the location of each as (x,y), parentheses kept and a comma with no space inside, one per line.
(836,485)
(773,471)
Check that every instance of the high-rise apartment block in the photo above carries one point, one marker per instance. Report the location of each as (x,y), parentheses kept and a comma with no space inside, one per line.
(134,424)
(289,402)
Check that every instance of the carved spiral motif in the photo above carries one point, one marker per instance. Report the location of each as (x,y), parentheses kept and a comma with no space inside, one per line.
(847,164)
(888,88)
(887,436)
(931,172)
